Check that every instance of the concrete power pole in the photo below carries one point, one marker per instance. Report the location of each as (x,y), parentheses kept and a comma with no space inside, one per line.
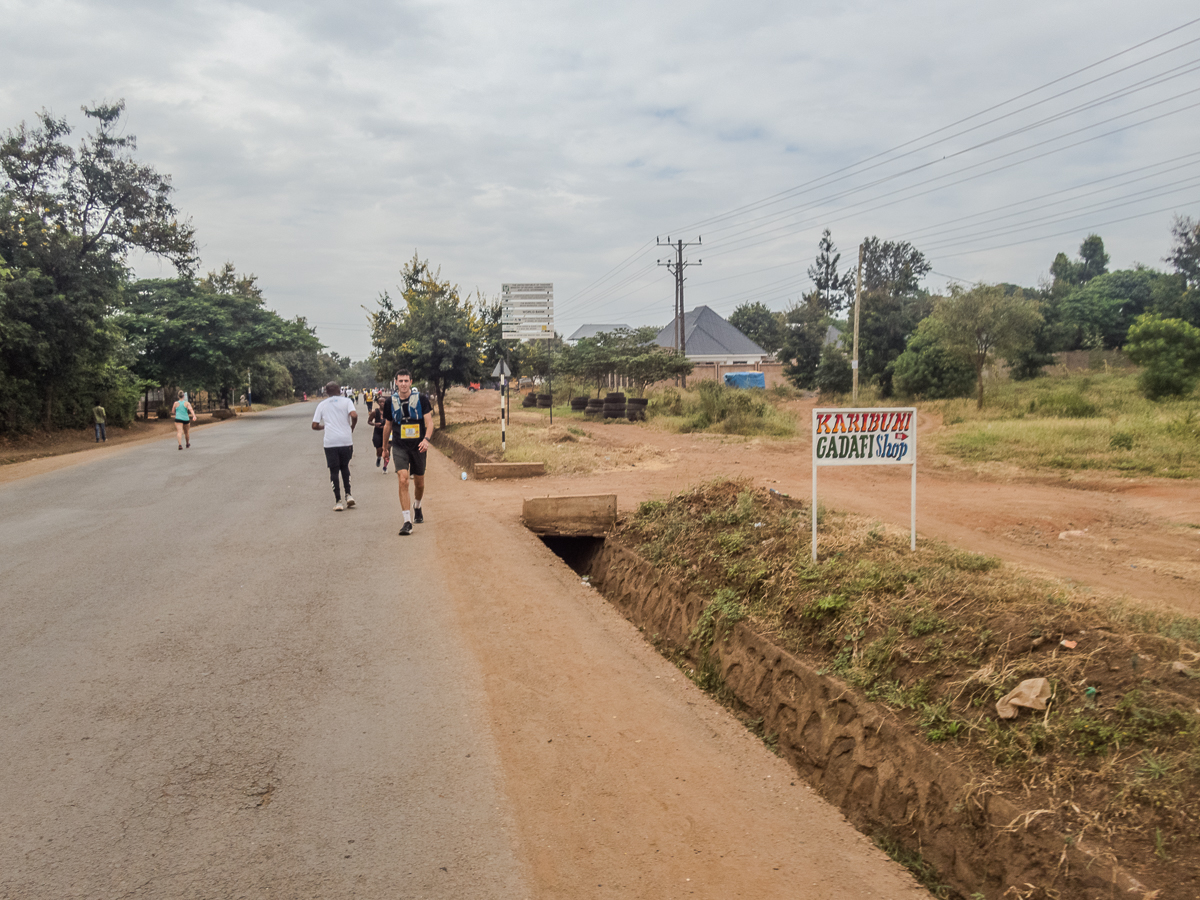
(675,267)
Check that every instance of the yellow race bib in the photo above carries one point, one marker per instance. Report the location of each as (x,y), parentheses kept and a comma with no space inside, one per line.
(410,432)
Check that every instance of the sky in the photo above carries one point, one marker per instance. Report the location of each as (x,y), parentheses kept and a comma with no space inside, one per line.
(321,146)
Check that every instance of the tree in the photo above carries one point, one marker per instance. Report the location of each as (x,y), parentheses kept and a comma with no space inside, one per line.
(1093,261)
(759,323)
(68,219)
(1185,255)
(208,333)
(834,373)
(436,335)
(806,328)
(892,305)
(1170,351)
(984,322)
(930,369)
(1098,313)
(832,291)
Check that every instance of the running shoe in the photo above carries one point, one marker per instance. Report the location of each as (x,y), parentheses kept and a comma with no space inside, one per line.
(349,501)
(385,467)
(418,517)
(338,507)
(406,528)
(378,460)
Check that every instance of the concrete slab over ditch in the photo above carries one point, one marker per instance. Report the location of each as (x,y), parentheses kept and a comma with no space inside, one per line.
(587,515)
(859,755)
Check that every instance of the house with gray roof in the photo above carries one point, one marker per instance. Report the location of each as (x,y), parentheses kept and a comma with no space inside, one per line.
(590,331)
(708,338)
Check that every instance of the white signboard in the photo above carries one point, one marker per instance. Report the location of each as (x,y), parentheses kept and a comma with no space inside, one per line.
(527,311)
(864,437)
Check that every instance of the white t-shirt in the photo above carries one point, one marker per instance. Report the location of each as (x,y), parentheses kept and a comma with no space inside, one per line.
(334,414)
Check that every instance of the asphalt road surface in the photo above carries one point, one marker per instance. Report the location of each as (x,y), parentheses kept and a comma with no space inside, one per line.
(214,686)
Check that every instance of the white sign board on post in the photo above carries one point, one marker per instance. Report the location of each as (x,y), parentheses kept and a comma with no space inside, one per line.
(527,311)
(864,437)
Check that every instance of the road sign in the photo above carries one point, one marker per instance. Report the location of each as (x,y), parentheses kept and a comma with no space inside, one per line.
(502,370)
(527,311)
(865,437)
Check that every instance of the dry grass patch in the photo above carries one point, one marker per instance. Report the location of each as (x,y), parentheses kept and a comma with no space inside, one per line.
(941,635)
(565,448)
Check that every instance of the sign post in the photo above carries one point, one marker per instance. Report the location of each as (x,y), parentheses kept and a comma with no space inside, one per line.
(527,313)
(865,437)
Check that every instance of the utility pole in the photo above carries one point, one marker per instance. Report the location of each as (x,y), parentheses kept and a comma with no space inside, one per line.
(675,267)
(857,306)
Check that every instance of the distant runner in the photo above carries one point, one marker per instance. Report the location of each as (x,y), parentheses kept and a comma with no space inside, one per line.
(184,416)
(408,420)
(336,416)
(376,419)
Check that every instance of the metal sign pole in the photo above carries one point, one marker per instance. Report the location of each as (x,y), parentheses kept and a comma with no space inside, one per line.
(813,511)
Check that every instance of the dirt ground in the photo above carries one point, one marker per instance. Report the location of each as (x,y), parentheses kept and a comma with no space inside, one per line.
(1116,535)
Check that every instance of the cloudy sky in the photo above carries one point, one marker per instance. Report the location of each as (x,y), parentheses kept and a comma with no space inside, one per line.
(320,145)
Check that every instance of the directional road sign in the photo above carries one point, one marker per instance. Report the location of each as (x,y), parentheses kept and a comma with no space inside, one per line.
(527,311)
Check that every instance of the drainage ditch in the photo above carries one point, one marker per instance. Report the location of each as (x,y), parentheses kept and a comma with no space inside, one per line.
(860,756)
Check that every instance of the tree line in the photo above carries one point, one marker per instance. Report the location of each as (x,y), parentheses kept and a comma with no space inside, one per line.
(76,328)
(445,339)
(916,344)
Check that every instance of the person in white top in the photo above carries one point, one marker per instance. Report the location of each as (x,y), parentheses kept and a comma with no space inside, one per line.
(336,416)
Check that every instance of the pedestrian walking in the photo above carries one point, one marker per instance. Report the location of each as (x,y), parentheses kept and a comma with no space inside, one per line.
(184,416)
(336,416)
(408,421)
(369,395)
(100,420)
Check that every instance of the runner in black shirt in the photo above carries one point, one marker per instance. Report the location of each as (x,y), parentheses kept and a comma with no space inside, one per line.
(409,428)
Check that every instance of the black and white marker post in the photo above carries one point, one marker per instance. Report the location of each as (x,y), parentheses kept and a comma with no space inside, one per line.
(502,372)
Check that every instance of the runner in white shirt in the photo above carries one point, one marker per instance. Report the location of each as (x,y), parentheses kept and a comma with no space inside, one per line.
(336,416)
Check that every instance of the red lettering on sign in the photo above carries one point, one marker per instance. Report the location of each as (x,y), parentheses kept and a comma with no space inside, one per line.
(839,424)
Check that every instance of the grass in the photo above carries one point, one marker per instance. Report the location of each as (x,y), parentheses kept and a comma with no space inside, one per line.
(1075,423)
(717,409)
(564,448)
(941,635)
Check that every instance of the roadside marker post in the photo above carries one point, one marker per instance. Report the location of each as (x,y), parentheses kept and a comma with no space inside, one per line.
(865,437)
(502,371)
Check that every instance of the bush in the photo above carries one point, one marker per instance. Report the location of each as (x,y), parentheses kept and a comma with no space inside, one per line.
(1170,351)
(929,369)
(834,375)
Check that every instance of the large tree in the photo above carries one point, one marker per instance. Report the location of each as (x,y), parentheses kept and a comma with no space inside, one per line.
(893,304)
(435,334)
(984,322)
(68,219)
(206,334)
(833,290)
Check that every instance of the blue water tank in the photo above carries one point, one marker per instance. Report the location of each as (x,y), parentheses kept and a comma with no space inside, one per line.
(746,379)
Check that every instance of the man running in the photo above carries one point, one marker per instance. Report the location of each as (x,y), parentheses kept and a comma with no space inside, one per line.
(336,416)
(408,421)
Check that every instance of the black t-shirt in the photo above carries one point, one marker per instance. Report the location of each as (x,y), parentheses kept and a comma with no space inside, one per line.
(407,419)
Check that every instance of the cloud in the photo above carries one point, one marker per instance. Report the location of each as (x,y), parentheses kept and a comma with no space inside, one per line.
(318,145)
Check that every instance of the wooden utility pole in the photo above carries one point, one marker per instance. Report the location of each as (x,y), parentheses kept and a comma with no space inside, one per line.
(676,267)
(857,307)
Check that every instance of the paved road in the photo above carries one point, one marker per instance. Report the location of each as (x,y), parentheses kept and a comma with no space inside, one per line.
(214,686)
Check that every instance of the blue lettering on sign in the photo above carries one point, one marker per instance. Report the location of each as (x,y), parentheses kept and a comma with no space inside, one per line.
(889,449)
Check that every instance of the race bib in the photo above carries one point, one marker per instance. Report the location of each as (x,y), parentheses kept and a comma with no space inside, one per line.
(410,432)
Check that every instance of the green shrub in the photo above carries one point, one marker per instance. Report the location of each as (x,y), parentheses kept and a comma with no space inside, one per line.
(929,369)
(1170,351)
